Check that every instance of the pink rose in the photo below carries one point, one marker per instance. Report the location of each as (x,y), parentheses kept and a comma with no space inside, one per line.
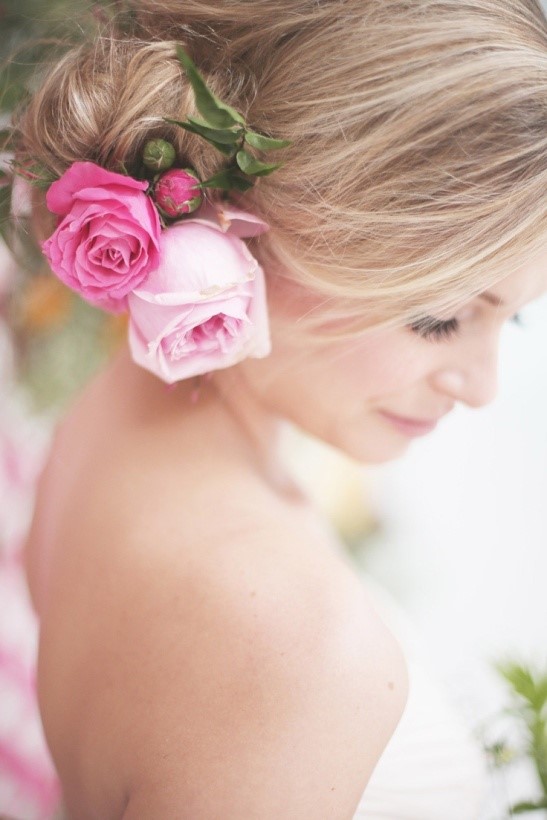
(107,242)
(176,194)
(204,308)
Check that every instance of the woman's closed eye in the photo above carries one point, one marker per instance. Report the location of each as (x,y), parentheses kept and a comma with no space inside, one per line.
(428,327)
(438,329)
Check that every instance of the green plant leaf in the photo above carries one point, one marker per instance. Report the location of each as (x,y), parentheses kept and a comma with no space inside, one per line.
(253,166)
(5,213)
(527,806)
(6,136)
(223,148)
(11,95)
(227,180)
(268,169)
(226,145)
(223,135)
(529,692)
(265,143)
(531,687)
(211,108)
(36,175)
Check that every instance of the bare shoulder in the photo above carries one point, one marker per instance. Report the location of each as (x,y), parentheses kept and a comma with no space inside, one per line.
(280,695)
(241,673)
(202,653)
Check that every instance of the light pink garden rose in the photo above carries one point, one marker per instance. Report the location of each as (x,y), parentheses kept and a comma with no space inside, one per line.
(107,241)
(204,308)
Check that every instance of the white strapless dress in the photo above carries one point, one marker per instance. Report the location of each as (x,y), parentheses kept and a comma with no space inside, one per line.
(432,768)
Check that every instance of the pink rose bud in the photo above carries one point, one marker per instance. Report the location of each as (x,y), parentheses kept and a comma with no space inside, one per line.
(176,194)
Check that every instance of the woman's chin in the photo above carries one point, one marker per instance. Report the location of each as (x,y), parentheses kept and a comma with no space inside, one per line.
(379,451)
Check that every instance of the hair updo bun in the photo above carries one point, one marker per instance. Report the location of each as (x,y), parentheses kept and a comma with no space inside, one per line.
(418,168)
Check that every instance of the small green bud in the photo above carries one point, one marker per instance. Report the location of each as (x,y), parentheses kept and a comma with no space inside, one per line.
(159,155)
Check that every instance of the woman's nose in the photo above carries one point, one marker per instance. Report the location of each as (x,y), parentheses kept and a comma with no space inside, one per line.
(472,380)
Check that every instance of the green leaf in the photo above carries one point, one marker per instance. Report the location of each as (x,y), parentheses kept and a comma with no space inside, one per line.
(253,166)
(530,686)
(6,136)
(525,807)
(228,179)
(268,169)
(265,143)
(35,174)
(220,135)
(221,145)
(227,150)
(223,135)
(5,213)
(11,96)
(211,108)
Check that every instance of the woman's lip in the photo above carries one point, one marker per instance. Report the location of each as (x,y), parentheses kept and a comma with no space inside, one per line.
(410,427)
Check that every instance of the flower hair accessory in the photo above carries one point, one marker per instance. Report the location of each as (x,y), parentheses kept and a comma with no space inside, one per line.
(156,246)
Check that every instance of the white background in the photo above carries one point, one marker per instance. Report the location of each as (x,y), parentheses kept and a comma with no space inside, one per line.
(463,542)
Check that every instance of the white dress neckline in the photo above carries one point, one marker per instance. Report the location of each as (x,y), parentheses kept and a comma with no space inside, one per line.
(432,767)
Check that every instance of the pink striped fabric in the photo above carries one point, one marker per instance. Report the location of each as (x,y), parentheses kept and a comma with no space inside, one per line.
(29,787)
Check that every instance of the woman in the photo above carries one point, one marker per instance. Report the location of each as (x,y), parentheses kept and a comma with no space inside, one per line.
(206,650)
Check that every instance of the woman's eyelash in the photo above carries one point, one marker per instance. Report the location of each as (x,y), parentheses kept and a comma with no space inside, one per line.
(441,329)
(430,328)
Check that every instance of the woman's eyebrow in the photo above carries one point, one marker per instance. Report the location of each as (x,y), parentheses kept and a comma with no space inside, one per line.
(491,299)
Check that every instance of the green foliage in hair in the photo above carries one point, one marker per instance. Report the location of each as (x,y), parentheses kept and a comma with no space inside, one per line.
(226,130)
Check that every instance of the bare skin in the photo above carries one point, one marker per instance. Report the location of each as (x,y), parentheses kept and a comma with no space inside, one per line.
(151,456)
(206,649)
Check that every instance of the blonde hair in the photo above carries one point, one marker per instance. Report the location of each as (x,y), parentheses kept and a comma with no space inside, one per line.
(418,169)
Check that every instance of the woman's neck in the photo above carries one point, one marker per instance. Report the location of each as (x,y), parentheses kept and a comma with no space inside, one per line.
(244,423)
(259,426)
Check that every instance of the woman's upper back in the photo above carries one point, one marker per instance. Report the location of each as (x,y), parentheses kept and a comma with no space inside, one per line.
(197,629)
